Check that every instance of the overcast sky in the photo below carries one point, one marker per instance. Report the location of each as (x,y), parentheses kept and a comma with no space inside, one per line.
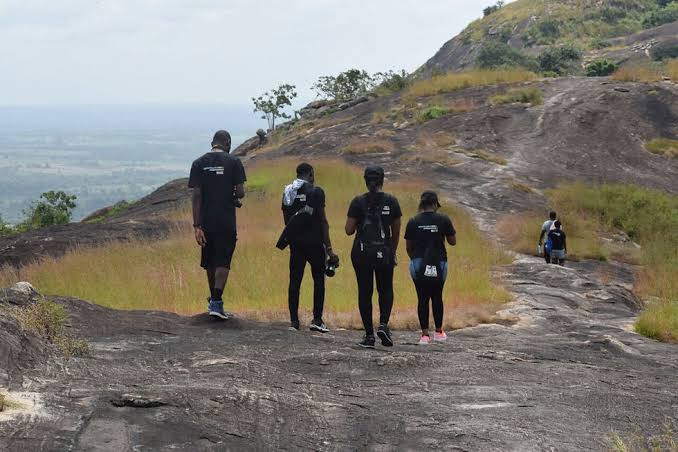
(208,51)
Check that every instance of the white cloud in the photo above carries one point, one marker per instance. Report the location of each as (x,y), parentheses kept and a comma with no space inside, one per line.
(136,51)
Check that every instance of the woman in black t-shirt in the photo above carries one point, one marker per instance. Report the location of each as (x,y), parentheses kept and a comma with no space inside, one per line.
(425,236)
(375,219)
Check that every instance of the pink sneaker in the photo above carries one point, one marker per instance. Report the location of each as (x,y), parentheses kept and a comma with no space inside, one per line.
(439,337)
(425,340)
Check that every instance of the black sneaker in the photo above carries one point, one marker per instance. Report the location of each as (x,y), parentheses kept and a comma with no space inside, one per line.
(294,325)
(385,335)
(367,342)
(318,325)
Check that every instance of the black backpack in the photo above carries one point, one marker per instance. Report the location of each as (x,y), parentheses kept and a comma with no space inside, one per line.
(431,270)
(374,248)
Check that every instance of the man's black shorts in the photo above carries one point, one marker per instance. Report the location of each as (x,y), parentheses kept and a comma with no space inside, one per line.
(219,249)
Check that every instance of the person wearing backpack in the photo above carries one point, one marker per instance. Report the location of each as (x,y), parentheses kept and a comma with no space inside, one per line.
(425,237)
(544,236)
(374,218)
(558,244)
(307,232)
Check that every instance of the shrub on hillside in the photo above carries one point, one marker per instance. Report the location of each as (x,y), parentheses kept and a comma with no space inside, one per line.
(665,52)
(559,59)
(661,16)
(431,112)
(390,82)
(493,9)
(608,14)
(345,85)
(494,54)
(600,43)
(53,207)
(600,68)
(546,31)
(6,228)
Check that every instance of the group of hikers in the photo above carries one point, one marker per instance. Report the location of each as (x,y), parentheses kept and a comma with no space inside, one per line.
(374,218)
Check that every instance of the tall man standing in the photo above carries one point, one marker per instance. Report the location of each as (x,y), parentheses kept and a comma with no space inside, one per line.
(217,180)
(308,233)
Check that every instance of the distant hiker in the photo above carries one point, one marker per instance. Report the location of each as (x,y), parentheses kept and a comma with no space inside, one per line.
(425,238)
(558,244)
(375,219)
(217,180)
(543,236)
(307,232)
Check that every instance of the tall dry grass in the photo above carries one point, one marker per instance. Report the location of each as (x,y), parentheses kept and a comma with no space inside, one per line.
(454,81)
(663,146)
(165,275)
(522,231)
(636,73)
(649,217)
(671,69)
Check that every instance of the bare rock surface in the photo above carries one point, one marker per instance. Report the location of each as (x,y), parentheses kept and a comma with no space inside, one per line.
(563,375)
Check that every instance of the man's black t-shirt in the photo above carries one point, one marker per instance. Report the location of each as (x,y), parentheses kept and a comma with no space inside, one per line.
(306,229)
(429,229)
(389,212)
(557,237)
(217,173)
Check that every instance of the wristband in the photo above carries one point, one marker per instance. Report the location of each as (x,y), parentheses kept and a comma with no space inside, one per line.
(197,226)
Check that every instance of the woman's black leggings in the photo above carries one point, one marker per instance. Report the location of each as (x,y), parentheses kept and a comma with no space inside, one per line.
(366,275)
(433,292)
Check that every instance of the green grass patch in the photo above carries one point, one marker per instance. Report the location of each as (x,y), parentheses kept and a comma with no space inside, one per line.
(569,21)
(165,274)
(47,320)
(663,146)
(665,440)
(431,112)
(533,96)
(109,212)
(660,320)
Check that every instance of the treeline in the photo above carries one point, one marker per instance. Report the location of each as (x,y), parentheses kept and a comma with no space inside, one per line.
(344,86)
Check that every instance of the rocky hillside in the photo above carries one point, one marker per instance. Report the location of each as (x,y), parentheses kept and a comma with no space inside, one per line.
(498,158)
(619,30)
(144,218)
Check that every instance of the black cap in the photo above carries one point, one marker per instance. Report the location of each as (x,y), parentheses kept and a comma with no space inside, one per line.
(374,173)
(222,140)
(430,198)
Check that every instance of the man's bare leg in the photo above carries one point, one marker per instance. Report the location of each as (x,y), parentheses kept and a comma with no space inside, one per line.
(211,278)
(220,278)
